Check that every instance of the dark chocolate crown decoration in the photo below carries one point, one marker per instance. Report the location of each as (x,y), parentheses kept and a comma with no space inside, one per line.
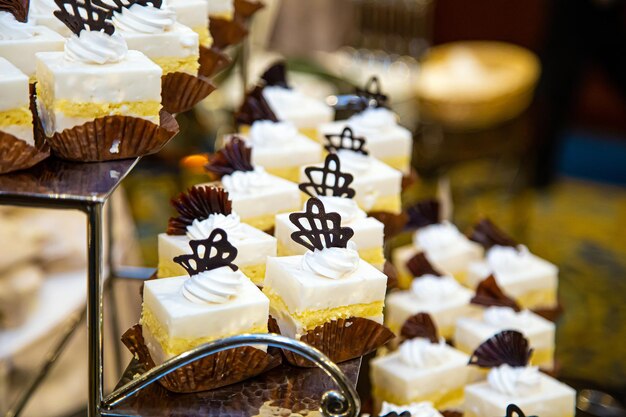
(513,410)
(423,213)
(419,265)
(276,75)
(112,6)
(234,156)
(508,347)
(198,203)
(79,15)
(318,229)
(489,294)
(487,234)
(420,325)
(345,140)
(254,107)
(209,254)
(328,180)
(18,8)
(371,95)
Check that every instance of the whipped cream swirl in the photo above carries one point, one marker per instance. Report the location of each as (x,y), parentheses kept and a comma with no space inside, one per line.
(13,29)
(247,182)
(354,161)
(372,120)
(503,259)
(438,237)
(347,208)
(333,263)
(265,133)
(144,19)
(421,353)
(201,229)
(216,286)
(421,409)
(507,318)
(517,381)
(431,289)
(91,47)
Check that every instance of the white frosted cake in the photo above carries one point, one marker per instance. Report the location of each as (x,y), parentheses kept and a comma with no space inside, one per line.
(41,13)
(529,279)
(421,409)
(195,15)
(19,42)
(15,116)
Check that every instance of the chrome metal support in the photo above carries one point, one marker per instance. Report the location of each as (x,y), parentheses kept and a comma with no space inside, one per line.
(111,304)
(345,403)
(94,308)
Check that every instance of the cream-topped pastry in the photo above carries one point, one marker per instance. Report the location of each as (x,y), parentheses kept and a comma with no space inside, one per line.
(511,380)
(329,282)
(215,301)
(15,116)
(200,211)
(41,12)
(20,41)
(257,196)
(153,30)
(423,368)
(333,188)
(421,409)
(195,15)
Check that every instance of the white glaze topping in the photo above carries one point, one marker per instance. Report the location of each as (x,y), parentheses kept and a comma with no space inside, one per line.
(215,286)
(347,208)
(247,182)
(333,263)
(437,237)
(517,381)
(91,47)
(422,409)
(12,29)
(507,318)
(201,229)
(372,120)
(144,19)
(422,353)
(265,133)
(503,259)
(354,161)
(431,289)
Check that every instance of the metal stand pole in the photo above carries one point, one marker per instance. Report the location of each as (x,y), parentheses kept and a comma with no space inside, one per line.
(94,308)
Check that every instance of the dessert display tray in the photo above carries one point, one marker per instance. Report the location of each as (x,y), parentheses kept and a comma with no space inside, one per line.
(281,391)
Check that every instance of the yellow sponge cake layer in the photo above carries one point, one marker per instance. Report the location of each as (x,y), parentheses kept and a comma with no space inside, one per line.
(187,64)
(204,36)
(95,110)
(20,116)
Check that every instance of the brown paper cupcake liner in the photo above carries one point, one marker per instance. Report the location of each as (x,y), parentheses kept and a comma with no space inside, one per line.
(181,91)
(212,61)
(226,33)
(551,314)
(113,137)
(394,223)
(214,371)
(245,9)
(409,179)
(340,340)
(15,154)
(392,275)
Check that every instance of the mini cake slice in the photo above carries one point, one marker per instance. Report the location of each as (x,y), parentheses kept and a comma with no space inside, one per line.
(332,187)
(444,245)
(15,116)
(532,281)
(386,139)
(214,302)
(377,185)
(256,195)
(501,313)
(200,211)
(431,292)
(512,381)
(423,368)
(328,286)
(195,15)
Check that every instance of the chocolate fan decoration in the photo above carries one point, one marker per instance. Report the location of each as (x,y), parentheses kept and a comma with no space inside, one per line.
(508,347)
(216,252)
(328,180)
(395,414)
(370,97)
(18,8)
(423,213)
(234,156)
(254,108)
(489,294)
(513,410)
(112,6)
(318,229)
(198,203)
(419,266)
(420,325)
(80,15)
(345,140)
(276,75)
(487,234)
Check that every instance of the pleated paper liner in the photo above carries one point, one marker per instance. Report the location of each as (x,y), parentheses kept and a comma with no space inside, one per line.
(113,137)
(214,371)
(212,61)
(394,223)
(340,340)
(245,9)
(226,33)
(181,91)
(15,154)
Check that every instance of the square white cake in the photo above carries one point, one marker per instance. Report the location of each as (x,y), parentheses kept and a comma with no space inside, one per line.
(195,15)
(305,112)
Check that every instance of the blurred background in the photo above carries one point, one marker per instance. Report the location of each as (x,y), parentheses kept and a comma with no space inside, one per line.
(518,110)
